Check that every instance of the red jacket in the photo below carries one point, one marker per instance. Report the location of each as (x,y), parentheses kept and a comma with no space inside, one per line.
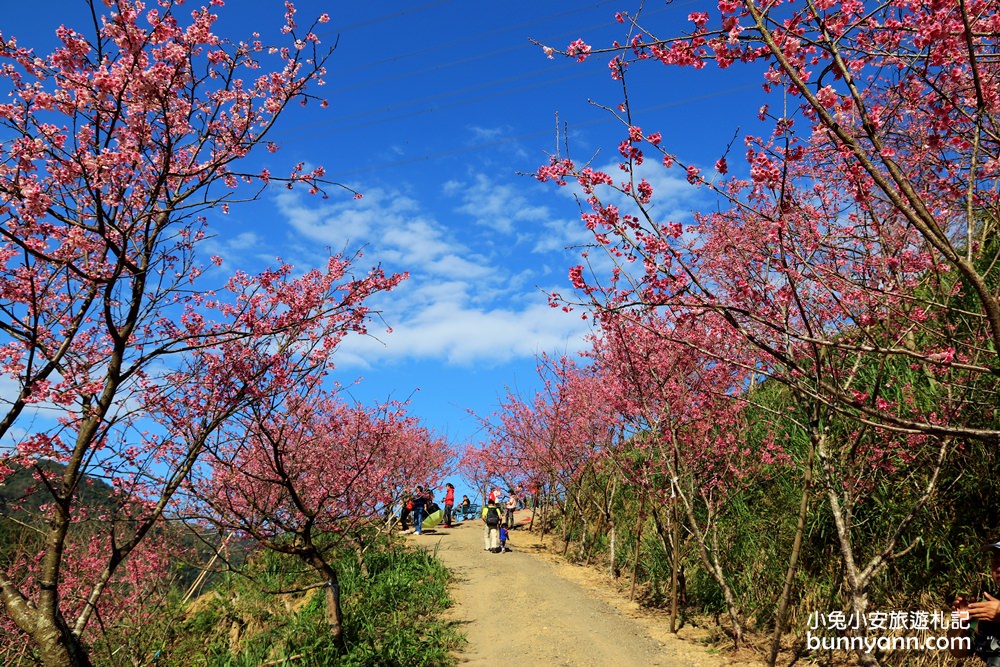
(449,496)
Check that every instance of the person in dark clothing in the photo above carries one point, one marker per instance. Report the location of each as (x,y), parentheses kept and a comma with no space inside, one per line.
(419,509)
(404,514)
(491,526)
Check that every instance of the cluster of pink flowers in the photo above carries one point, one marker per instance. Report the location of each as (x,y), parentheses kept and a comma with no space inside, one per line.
(579,49)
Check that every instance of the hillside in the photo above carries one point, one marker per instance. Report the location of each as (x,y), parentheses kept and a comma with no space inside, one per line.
(22,494)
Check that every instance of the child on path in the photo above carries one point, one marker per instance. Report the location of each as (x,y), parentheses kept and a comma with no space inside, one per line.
(503,538)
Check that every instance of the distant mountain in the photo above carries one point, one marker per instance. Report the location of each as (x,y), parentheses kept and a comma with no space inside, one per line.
(22,495)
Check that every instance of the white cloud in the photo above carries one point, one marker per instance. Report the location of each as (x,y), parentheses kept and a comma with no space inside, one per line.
(245,240)
(496,205)
(487,133)
(473,297)
(674,200)
(673,197)
(392,229)
(457,267)
(561,234)
(469,336)
(334,225)
(466,302)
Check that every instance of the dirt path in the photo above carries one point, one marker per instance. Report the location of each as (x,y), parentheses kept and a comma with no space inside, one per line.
(527,607)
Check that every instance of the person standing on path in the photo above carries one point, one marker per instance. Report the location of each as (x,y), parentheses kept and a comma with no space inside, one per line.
(449,503)
(491,526)
(550,614)
(404,514)
(510,505)
(419,509)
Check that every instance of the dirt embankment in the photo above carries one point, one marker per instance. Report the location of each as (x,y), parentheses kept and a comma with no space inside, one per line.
(530,607)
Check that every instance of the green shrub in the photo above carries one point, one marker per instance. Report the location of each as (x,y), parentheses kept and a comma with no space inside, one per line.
(239,624)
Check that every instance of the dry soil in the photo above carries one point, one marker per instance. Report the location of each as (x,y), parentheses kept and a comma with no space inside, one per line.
(530,607)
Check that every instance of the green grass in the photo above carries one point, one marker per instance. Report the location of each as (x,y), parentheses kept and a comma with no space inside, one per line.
(391,616)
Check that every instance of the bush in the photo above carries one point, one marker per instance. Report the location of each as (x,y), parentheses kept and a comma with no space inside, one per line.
(239,624)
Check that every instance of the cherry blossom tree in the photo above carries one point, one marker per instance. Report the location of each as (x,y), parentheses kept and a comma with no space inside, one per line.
(550,439)
(683,416)
(304,473)
(854,248)
(866,234)
(137,591)
(123,357)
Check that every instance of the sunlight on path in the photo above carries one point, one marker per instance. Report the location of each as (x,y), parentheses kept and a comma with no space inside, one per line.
(516,609)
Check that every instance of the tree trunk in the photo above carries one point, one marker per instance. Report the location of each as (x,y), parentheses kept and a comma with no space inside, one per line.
(545,507)
(592,530)
(334,614)
(781,614)
(675,564)
(855,581)
(614,536)
(58,647)
(638,543)
(727,593)
(672,550)
(610,518)
(710,561)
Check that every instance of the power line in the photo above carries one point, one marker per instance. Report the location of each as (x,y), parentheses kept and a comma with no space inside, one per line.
(341,123)
(438,155)
(475,39)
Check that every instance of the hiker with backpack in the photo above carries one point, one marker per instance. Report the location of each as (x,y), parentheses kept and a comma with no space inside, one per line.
(491,526)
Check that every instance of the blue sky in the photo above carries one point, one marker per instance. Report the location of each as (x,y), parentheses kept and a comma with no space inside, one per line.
(435,108)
